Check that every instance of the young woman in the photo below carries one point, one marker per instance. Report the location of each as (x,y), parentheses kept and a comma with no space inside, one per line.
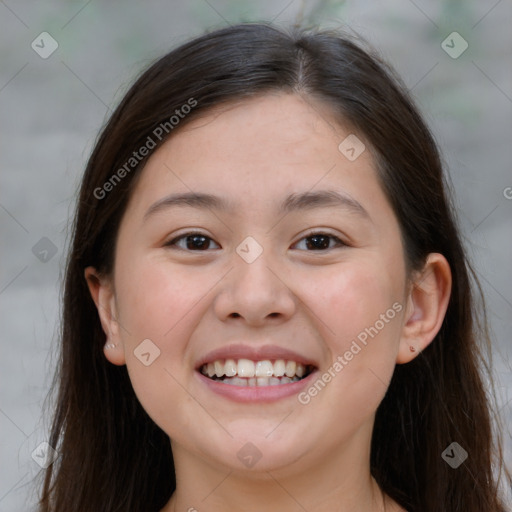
(267,303)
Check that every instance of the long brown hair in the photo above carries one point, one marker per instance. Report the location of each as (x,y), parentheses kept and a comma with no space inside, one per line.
(113,457)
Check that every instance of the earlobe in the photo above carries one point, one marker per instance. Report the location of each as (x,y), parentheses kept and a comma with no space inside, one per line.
(426,307)
(102,293)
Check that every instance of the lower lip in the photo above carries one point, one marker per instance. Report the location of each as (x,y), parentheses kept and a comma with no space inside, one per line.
(256,393)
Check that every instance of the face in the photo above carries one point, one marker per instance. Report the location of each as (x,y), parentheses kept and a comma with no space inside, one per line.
(270,277)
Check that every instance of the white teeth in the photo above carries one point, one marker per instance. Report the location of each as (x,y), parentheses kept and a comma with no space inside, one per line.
(291,366)
(236,381)
(263,373)
(245,368)
(258,381)
(219,368)
(279,367)
(230,368)
(264,369)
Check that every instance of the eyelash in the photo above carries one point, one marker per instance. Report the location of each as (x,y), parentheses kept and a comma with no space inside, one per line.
(173,243)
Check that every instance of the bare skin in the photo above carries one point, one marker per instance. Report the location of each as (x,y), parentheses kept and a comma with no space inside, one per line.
(314,456)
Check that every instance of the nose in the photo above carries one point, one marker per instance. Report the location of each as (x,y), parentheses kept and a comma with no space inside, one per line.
(258,292)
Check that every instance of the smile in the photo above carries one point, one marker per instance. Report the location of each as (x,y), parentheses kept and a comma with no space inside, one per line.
(248,373)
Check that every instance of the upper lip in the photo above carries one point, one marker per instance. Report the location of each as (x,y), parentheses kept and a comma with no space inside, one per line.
(259,353)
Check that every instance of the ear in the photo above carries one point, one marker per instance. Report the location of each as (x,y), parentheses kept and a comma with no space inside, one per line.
(102,293)
(427,303)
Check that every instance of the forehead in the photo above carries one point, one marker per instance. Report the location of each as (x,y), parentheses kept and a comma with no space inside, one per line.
(257,151)
(272,126)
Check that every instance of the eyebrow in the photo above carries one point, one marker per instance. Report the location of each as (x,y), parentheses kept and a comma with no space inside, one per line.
(293,202)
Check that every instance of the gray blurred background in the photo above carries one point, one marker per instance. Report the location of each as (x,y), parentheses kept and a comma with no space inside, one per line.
(52,107)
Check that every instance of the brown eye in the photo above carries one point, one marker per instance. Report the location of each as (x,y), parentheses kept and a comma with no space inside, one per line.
(193,242)
(321,241)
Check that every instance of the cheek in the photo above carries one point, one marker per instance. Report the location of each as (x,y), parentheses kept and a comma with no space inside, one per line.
(354,297)
(158,303)
(163,304)
(154,297)
(361,308)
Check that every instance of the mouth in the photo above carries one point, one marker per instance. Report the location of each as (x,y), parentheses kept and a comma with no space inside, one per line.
(256,373)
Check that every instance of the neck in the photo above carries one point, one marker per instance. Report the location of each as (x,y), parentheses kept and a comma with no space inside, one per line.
(341,482)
